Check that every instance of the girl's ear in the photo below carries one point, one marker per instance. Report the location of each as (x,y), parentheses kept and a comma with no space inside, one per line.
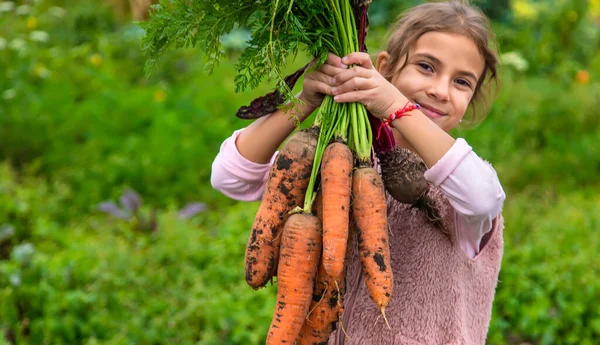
(383,59)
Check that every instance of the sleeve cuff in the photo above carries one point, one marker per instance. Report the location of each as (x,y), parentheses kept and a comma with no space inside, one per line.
(241,167)
(446,165)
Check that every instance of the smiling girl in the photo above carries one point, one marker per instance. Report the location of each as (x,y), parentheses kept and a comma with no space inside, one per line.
(438,57)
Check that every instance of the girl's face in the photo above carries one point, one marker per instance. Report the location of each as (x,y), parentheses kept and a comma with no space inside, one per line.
(441,75)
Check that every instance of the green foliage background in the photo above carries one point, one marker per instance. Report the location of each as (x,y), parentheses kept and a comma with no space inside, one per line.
(80,124)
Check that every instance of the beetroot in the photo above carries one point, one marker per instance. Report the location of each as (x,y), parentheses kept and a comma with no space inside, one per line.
(402,172)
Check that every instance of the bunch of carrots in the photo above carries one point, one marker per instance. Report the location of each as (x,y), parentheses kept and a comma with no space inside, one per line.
(301,230)
(322,184)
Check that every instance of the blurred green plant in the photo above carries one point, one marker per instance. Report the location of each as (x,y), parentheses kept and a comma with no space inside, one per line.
(549,278)
(100,125)
(100,280)
(385,12)
(558,38)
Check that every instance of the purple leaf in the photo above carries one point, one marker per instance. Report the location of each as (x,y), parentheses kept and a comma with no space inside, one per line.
(111,208)
(191,210)
(131,200)
(270,102)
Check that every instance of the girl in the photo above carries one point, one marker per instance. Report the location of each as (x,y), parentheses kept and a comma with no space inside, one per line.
(444,279)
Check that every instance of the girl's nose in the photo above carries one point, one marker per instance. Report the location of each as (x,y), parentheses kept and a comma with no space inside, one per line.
(439,90)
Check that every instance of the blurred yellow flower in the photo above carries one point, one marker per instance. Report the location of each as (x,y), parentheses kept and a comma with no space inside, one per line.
(594,8)
(159,96)
(41,71)
(523,9)
(32,22)
(582,77)
(96,59)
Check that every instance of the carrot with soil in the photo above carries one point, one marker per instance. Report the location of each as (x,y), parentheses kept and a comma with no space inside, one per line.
(336,183)
(298,264)
(284,191)
(325,309)
(370,214)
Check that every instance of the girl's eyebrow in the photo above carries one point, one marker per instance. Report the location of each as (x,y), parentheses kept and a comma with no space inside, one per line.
(439,62)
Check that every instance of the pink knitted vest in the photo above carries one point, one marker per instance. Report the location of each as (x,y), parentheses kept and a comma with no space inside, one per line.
(441,296)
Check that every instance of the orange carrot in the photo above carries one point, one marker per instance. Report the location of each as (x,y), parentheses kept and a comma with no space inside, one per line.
(325,310)
(326,307)
(299,258)
(336,182)
(284,191)
(370,214)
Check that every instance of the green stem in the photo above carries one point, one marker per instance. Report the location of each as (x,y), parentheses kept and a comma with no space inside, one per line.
(324,137)
(355,133)
(350,27)
(344,121)
(341,32)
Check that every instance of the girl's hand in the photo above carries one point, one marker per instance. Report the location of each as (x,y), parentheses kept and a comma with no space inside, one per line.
(363,83)
(319,82)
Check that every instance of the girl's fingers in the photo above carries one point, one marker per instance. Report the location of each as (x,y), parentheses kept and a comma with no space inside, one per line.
(352,96)
(332,66)
(358,58)
(321,77)
(335,61)
(354,72)
(318,86)
(330,70)
(356,77)
(354,84)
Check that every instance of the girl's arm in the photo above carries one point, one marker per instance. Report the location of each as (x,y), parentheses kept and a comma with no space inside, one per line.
(259,141)
(474,191)
(242,165)
(235,176)
(426,138)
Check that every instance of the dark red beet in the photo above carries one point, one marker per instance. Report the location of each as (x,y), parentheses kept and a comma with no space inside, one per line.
(403,176)
(402,172)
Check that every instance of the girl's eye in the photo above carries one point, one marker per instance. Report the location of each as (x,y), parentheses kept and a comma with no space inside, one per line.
(463,82)
(425,66)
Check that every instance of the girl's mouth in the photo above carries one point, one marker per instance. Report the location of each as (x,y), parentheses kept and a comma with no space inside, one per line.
(431,112)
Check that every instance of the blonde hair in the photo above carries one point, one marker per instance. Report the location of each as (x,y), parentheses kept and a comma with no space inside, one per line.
(452,17)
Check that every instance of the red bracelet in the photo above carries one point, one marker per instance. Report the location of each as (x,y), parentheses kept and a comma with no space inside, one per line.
(404,111)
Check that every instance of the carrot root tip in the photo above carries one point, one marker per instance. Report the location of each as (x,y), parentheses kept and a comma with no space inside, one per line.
(385,318)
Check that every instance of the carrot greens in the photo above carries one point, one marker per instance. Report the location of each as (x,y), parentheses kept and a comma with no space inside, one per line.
(279,28)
